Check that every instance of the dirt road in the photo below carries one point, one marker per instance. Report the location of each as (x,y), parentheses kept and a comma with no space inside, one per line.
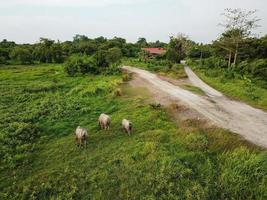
(235,116)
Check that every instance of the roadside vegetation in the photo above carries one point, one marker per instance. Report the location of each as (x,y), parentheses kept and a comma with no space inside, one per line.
(163,67)
(233,84)
(40,108)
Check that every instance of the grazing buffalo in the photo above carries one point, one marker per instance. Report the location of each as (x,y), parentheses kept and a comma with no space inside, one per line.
(81,136)
(104,121)
(127,126)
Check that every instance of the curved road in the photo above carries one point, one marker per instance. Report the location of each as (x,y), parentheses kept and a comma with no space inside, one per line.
(235,116)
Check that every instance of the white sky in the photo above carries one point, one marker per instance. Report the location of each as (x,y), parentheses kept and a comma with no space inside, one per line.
(27,20)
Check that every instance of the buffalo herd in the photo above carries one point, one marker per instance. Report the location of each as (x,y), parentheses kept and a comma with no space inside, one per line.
(104,121)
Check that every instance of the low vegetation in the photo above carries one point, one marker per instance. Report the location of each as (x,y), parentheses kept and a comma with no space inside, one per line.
(40,109)
(194,89)
(163,67)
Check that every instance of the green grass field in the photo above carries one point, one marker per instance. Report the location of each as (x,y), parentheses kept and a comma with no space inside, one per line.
(40,107)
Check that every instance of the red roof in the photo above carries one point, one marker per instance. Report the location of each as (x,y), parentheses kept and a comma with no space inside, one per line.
(157,51)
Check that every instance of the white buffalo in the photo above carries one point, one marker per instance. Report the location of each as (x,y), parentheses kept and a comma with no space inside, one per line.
(127,126)
(104,121)
(81,136)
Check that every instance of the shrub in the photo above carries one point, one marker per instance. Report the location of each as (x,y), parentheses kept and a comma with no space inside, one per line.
(21,55)
(101,58)
(4,55)
(259,68)
(2,60)
(228,74)
(113,69)
(250,88)
(214,62)
(81,64)
(114,55)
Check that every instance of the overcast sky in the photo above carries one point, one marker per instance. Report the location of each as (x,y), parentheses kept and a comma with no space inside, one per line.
(25,21)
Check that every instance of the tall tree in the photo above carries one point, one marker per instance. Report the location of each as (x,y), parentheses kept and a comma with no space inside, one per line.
(141,42)
(239,25)
(225,42)
(178,48)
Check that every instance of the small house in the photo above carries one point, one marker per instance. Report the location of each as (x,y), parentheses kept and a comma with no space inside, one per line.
(154,51)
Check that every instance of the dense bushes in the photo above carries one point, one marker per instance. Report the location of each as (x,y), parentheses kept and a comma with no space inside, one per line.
(104,50)
(256,68)
(102,62)
(200,51)
(212,62)
(215,66)
(81,64)
(21,55)
(4,55)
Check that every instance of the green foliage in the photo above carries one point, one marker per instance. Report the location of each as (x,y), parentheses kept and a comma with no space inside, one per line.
(130,50)
(114,55)
(214,62)
(200,51)
(178,48)
(47,51)
(105,51)
(173,54)
(21,55)
(113,69)
(101,58)
(255,68)
(141,42)
(103,61)
(4,55)
(81,64)
(7,44)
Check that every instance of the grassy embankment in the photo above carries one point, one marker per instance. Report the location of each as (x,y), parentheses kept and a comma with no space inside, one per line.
(248,90)
(39,109)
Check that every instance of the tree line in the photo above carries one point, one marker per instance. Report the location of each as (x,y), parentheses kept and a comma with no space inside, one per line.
(51,51)
(82,54)
(236,50)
